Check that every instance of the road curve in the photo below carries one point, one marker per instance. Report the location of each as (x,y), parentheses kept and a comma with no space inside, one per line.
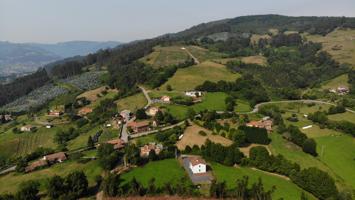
(257,106)
(149,100)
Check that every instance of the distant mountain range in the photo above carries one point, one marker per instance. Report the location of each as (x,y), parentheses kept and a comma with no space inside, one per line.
(22,58)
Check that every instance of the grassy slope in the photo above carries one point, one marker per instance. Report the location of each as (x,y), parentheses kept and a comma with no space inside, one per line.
(163,171)
(284,188)
(338,148)
(341,80)
(211,101)
(10,182)
(166,56)
(132,103)
(203,54)
(188,78)
(344,39)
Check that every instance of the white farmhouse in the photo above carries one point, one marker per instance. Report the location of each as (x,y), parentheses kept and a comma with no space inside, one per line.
(197,165)
(193,93)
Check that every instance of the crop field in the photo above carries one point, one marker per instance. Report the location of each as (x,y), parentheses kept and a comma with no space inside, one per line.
(164,171)
(190,77)
(20,144)
(339,43)
(192,137)
(132,103)
(166,56)
(284,188)
(341,80)
(10,182)
(92,95)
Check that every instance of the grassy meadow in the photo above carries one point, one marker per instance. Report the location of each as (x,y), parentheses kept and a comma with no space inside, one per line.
(190,77)
(163,171)
(132,103)
(166,56)
(284,188)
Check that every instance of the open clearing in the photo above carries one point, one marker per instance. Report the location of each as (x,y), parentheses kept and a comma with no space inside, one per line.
(341,80)
(260,60)
(10,182)
(92,95)
(190,77)
(132,103)
(166,56)
(339,43)
(192,137)
(211,101)
(163,171)
(284,188)
(203,54)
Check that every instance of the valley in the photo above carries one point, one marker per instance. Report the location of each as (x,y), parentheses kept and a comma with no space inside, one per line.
(264,110)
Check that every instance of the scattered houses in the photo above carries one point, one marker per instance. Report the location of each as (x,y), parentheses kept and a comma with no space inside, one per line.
(138,127)
(165,99)
(193,93)
(341,90)
(55,157)
(46,161)
(35,165)
(197,165)
(55,113)
(84,111)
(27,128)
(126,115)
(5,118)
(117,143)
(144,150)
(266,123)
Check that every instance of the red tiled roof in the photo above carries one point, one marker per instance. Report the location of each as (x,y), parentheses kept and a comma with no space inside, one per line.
(195,160)
(117,143)
(138,124)
(56,156)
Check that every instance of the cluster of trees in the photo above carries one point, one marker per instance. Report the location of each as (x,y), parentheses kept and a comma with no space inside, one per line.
(242,190)
(218,153)
(164,118)
(336,109)
(308,145)
(282,39)
(73,186)
(252,135)
(313,180)
(22,86)
(113,186)
(352,81)
(61,137)
(104,111)
(246,87)
(107,156)
(183,100)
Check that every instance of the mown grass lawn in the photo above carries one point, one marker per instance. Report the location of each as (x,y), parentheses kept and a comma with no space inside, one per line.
(284,188)
(10,182)
(338,152)
(334,83)
(164,171)
(242,106)
(190,77)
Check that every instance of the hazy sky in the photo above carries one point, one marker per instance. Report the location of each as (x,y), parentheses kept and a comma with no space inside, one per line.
(51,21)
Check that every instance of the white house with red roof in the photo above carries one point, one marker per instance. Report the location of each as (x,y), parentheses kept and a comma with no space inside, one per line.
(197,165)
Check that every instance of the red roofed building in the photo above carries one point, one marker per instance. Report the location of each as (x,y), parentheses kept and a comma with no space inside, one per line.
(56,157)
(117,143)
(265,123)
(36,164)
(148,147)
(138,127)
(197,164)
(84,111)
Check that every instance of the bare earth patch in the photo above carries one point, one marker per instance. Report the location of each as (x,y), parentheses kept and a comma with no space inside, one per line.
(192,137)
(91,95)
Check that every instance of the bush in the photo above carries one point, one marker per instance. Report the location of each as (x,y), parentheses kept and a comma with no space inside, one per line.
(202,133)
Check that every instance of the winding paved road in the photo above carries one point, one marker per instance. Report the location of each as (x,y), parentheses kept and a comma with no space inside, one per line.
(149,100)
(257,106)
